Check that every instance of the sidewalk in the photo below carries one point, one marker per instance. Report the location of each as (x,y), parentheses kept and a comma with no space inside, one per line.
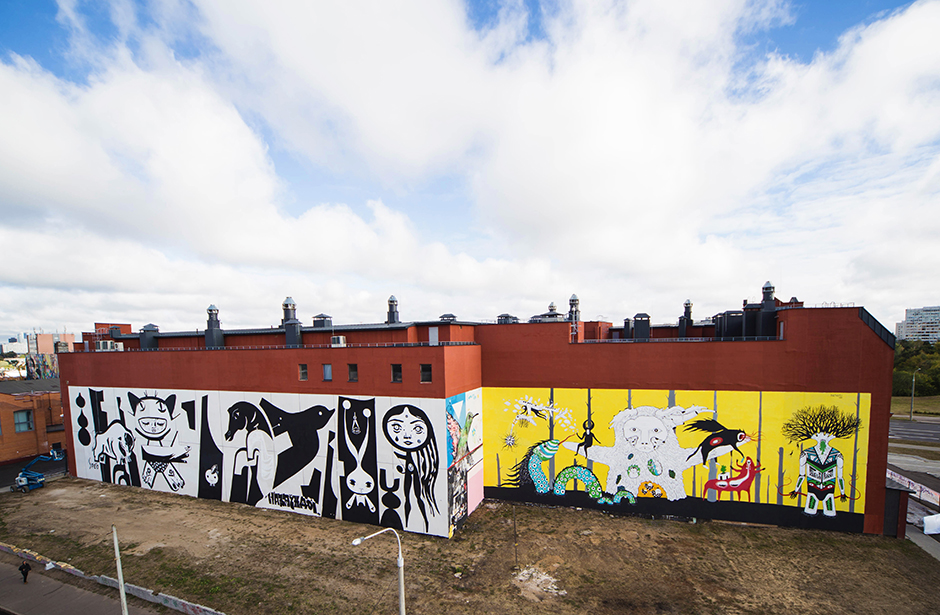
(925,542)
(44,595)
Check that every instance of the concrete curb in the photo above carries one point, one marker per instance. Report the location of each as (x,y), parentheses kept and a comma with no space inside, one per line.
(928,544)
(172,602)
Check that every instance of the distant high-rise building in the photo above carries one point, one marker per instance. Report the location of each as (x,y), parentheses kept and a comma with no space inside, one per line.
(922,324)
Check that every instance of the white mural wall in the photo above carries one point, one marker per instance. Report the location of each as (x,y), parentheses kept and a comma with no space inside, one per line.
(395,462)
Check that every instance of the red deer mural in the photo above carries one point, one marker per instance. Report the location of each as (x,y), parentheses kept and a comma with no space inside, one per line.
(741,482)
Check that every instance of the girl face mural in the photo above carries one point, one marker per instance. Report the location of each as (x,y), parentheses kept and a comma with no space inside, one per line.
(407,431)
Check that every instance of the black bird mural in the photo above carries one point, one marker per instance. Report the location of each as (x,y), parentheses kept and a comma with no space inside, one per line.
(301,427)
(721,441)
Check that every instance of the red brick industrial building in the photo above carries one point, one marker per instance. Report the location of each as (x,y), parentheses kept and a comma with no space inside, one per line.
(231,394)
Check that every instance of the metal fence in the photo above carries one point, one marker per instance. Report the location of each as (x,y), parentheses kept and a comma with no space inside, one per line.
(294,347)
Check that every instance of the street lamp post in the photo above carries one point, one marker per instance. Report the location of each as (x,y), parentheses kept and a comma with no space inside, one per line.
(913,376)
(401,565)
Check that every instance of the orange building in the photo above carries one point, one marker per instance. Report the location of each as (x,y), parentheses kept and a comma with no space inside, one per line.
(49,343)
(31,419)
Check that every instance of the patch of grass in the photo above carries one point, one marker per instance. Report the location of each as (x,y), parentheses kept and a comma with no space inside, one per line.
(901,406)
(897,442)
(932,454)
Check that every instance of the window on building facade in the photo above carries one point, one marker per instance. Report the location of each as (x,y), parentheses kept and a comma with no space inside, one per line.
(425,372)
(303,371)
(353,372)
(23,420)
(327,372)
(396,372)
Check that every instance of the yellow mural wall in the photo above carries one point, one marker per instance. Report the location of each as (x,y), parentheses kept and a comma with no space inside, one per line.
(518,418)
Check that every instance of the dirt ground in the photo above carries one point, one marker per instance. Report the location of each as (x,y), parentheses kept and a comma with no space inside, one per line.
(242,560)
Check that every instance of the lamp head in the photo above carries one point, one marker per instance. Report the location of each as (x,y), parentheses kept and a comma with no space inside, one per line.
(357,542)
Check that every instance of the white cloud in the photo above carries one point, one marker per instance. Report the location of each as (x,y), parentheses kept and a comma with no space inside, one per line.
(638,155)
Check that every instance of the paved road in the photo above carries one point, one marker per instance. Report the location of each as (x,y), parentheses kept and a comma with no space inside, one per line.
(918,430)
(44,595)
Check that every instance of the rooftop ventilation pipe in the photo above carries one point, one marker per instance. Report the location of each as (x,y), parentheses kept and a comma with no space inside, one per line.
(148,337)
(392,311)
(685,321)
(574,310)
(214,336)
(290,323)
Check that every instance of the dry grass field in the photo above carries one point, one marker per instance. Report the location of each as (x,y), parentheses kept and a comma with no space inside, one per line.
(242,560)
(901,406)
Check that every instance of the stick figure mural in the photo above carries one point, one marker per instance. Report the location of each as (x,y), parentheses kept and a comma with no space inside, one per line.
(820,465)
(588,438)
(409,430)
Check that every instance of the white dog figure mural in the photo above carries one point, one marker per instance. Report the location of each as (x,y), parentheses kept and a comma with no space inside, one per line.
(646,458)
(154,423)
(116,442)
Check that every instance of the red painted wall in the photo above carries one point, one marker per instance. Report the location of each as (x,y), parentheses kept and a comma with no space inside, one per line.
(363,336)
(276,369)
(182,342)
(826,350)
(274,338)
(458,333)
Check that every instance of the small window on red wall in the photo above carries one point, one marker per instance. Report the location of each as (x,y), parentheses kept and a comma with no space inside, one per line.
(425,372)
(396,372)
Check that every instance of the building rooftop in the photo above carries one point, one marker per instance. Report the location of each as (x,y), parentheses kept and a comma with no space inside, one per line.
(17,387)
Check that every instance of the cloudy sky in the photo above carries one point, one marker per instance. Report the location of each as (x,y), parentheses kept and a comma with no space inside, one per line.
(469,157)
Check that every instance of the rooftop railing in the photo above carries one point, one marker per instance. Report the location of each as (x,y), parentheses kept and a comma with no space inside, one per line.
(288,347)
(687,340)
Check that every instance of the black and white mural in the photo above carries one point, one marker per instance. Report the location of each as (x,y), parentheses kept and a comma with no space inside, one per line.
(377,460)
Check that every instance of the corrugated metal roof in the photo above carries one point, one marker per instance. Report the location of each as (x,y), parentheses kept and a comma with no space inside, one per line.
(15,387)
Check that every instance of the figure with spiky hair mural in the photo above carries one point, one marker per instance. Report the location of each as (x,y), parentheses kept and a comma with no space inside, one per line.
(820,465)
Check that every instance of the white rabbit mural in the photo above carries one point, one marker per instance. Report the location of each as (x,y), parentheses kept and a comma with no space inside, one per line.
(360,482)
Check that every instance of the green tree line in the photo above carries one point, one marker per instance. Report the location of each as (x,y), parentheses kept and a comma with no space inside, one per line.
(910,355)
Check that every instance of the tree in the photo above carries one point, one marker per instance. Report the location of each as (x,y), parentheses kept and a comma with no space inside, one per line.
(910,355)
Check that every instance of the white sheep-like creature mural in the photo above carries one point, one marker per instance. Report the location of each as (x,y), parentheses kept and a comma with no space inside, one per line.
(646,458)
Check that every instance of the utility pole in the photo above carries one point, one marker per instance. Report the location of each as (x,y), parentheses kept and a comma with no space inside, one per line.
(913,376)
(117,558)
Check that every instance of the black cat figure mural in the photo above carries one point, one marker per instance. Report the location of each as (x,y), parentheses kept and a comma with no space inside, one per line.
(154,423)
